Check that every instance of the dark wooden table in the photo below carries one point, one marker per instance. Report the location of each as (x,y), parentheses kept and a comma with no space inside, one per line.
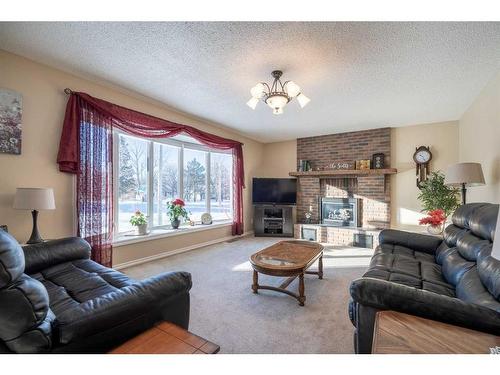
(398,333)
(167,338)
(289,259)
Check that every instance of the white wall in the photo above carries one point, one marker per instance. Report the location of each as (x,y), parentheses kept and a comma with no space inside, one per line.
(479,140)
(442,138)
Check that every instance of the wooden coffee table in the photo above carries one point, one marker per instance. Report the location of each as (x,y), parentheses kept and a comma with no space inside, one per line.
(166,338)
(287,259)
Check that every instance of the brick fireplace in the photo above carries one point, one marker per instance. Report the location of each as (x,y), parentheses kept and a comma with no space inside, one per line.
(371,190)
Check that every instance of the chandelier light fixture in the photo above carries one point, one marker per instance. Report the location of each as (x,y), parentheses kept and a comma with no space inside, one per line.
(278,94)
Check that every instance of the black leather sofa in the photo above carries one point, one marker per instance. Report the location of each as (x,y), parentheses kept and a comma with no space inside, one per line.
(54,299)
(454,280)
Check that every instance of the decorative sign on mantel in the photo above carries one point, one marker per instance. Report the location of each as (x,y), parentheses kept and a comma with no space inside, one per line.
(339,165)
(363,164)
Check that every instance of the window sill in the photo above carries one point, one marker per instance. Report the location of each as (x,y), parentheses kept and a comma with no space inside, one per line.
(156,234)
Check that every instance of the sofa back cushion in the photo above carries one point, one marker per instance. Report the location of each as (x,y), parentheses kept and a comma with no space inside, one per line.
(25,319)
(489,272)
(47,254)
(11,259)
(465,254)
(472,231)
(483,221)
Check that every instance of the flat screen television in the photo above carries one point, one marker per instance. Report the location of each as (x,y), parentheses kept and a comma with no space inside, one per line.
(274,191)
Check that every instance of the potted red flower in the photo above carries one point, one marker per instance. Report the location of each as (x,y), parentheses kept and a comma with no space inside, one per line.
(435,220)
(176,211)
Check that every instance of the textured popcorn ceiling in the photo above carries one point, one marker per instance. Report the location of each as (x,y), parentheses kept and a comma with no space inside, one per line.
(358,75)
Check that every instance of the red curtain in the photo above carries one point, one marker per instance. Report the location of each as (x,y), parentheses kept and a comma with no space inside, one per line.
(85,149)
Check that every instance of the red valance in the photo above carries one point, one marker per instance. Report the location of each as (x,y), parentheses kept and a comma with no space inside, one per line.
(83,108)
(132,122)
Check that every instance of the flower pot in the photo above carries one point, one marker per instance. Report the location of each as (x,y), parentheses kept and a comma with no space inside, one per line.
(435,229)
(141,230)
(175,223)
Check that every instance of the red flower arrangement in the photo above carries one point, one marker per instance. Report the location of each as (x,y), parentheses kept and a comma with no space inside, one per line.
(435,218)
(178,202)
(176,211)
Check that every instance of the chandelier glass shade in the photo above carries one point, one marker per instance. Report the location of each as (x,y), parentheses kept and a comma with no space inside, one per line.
(277,95)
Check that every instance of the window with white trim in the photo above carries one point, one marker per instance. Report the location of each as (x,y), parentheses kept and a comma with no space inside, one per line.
(151,172)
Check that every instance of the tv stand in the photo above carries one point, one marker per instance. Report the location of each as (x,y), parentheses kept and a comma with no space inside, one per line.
(273,220)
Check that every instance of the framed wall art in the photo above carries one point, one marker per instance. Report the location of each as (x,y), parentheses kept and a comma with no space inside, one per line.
(10,122)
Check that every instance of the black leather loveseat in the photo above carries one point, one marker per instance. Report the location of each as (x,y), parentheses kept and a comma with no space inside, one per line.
(454,280)
(53,298)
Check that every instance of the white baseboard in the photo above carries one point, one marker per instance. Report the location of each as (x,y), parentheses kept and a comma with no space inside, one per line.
(177,251)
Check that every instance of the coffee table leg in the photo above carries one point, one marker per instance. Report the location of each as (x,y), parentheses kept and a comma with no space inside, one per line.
(255,285)
(320,267)
(302,297)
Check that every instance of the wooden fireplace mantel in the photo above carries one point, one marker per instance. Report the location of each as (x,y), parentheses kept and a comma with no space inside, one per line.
(343,172)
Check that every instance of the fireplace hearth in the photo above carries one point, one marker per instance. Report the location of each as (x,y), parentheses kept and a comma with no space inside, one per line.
(340,212)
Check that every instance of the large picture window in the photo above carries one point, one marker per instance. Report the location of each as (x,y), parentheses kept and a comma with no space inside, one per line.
(150,173)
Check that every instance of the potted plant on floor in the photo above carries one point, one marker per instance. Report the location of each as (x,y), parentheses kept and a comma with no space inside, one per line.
(438,200)
(140,223)
(176,212)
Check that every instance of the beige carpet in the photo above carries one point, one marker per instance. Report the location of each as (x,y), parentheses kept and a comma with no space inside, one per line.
(225,311)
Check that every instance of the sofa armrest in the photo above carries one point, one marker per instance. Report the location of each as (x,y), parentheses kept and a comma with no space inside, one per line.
(386,295)
(415,241)
(116,308)
(45,254)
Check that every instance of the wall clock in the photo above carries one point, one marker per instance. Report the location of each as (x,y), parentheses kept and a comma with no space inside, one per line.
(422,157)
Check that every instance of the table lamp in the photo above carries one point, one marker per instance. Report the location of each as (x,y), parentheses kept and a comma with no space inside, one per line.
(464,175)
(34,199)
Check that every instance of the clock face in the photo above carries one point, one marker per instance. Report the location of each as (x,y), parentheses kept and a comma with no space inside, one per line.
(422,156)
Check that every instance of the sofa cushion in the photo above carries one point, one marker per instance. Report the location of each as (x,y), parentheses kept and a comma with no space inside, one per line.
(483,221)
(452,234)
(71,283)
(455,266)
(463,214)
(415,241)
(25,322)
(409,270)
(489,273)
(471,289)
(469,246)
(387,248)
(11,259)
(45,254)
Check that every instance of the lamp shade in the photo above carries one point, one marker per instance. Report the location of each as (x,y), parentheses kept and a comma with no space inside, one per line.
(303,100)
(470,174)
(292,89)
(252,103)
(34,199)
